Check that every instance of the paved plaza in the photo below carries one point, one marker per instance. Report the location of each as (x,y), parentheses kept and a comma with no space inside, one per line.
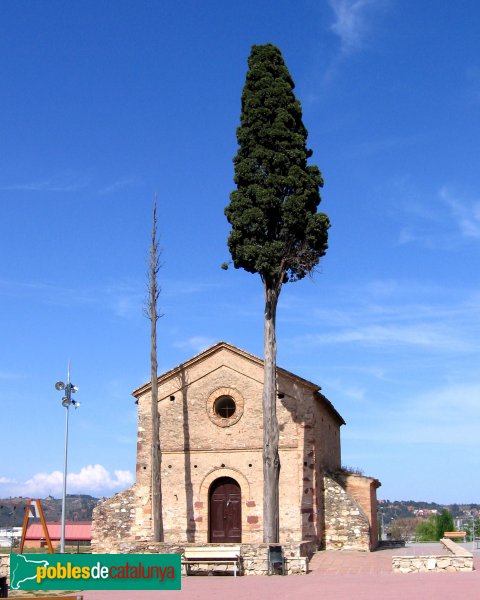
(333,576)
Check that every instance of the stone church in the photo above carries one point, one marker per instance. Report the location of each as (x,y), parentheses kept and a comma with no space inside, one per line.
(211,439)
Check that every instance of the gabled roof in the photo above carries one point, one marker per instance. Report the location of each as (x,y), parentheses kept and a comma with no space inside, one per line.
(250,357)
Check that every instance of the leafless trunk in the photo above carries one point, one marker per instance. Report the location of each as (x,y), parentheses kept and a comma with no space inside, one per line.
(271,459)
(156,460)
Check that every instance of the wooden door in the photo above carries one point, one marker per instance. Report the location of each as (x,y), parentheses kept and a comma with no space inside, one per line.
(225,511)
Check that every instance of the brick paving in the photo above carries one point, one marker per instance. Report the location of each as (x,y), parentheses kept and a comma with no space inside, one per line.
(348,563)
(333,576)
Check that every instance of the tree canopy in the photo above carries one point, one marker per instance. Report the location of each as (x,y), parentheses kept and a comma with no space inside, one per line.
(276,229)
(435,526)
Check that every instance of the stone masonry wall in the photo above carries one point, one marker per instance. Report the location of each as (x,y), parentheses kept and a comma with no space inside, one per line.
(254,556)
(425,564)
(346,525)
(455,559)
(297,556)
(5,566)
(113,522)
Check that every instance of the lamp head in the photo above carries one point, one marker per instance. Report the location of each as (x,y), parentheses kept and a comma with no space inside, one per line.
(59,385)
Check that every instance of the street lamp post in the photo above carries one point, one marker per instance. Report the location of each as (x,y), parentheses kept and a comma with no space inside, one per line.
(68,389)
(381,524)
(473,532)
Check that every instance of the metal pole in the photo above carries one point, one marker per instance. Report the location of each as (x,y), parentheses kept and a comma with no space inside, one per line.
(66,402)
(64,494)
(473,534)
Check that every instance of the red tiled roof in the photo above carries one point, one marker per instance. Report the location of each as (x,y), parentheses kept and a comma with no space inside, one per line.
(76,531)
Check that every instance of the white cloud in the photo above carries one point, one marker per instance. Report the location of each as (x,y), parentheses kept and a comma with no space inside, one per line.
(124,299)
(466,213)
(351,22)
(440,416)
(127,306)
(444,221)
(61,183)
(6,480)
(381,314)
(97,478)
(196,343)
(427,336)
(345,390)
(121,183)
(92,479)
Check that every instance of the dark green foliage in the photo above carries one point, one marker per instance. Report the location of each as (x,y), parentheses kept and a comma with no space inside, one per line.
(435,527)
(427,530)
(444,523)
(473,529)
(276,230)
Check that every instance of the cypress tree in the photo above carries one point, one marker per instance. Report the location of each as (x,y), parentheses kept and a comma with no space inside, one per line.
(276,229)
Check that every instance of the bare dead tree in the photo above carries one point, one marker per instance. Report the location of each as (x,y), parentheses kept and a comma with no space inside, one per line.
(153,315)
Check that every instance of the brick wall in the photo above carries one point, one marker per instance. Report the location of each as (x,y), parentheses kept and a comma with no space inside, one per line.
(364,490)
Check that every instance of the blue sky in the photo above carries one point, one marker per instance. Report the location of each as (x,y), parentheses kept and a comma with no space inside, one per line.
(104,103)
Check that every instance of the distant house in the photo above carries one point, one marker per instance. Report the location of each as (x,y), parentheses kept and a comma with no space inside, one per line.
(76,532)
(8,535)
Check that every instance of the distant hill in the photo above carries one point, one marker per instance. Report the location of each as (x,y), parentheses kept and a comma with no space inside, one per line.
(399,509)
(78,508)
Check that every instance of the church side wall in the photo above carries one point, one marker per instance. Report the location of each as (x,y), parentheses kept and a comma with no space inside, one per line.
(327,457)
(305,500)
(327,438)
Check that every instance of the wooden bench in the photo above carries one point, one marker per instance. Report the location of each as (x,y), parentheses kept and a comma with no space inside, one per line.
(211,557)
(455,535)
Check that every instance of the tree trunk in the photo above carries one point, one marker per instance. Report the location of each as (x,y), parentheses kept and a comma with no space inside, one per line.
(271,459)
(157,519)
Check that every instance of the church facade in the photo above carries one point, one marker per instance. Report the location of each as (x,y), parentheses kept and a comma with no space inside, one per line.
(211,437)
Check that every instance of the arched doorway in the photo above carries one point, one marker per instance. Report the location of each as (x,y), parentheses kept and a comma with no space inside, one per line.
(225,512)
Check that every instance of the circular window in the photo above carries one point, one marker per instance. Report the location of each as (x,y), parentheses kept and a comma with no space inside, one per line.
(225,407)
